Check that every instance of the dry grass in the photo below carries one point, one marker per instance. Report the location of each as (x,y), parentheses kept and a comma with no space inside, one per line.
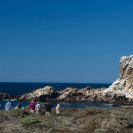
(70,121)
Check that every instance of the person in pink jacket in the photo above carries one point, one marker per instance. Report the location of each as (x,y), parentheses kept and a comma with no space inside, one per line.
(32,106)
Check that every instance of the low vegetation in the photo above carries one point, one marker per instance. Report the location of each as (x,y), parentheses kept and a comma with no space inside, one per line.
(116,120)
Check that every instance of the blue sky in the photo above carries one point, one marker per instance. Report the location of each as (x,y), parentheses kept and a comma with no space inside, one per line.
(64,40)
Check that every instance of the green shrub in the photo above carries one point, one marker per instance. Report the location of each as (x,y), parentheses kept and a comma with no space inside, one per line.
(30,121)
(16,112)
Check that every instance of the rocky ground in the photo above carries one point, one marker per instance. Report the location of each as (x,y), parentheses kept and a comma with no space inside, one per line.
(115,120)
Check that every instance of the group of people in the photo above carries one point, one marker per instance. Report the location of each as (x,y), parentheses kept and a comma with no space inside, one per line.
(35,107)
(8,106)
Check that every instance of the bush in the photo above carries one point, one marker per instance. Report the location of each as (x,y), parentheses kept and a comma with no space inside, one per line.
(16,112)
(3,116)
(30,121)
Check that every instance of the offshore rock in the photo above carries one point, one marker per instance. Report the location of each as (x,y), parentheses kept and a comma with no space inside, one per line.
(6,96)
(42,93)
(75,94)
(69,94)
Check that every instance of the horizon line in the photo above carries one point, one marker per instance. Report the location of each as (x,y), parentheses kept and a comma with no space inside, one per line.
(56,82)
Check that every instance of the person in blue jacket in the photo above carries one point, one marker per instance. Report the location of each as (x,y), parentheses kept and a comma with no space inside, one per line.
(8,105)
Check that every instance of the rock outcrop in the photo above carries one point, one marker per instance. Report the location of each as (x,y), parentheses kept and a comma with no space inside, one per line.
(123,86)
(47,91)
(68,93)
(84,94)
(6,96)
(121,89)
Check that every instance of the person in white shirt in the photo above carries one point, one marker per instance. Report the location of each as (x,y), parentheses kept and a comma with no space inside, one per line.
(37,107)
(8,106)
(58,109)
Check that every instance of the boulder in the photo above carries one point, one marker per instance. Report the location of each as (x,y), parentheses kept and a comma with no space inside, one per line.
(67,94)
(45,91)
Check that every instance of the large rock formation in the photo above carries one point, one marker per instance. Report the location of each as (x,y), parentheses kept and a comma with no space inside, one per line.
(123,86)
(46,91)
(85,94)
(121,89)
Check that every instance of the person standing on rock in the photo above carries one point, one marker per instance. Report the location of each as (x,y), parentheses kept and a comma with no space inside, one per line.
(8,105)
(58,109)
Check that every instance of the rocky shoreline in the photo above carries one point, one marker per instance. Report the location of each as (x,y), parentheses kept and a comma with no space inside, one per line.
(120,92)
(87,94)
(6,96)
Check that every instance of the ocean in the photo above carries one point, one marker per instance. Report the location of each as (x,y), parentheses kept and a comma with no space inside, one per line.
(21,88)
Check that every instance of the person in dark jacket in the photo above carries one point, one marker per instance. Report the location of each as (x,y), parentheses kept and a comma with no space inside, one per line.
(48,107)
(19,106)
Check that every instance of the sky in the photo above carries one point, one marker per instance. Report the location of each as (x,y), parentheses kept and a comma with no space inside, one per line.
(64,40)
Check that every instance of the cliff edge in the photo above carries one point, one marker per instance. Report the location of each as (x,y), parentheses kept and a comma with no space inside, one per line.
(123,86)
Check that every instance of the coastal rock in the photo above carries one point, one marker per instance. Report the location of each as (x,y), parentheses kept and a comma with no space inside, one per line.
(6,96)
(46,91)
(123,86)
(75,94)
(121,89)
(68,94)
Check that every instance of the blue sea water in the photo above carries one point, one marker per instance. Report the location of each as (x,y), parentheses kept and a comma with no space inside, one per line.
(63,104)
(21,88)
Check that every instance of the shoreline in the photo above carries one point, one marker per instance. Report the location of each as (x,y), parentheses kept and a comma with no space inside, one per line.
(74,95)
(64,104)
